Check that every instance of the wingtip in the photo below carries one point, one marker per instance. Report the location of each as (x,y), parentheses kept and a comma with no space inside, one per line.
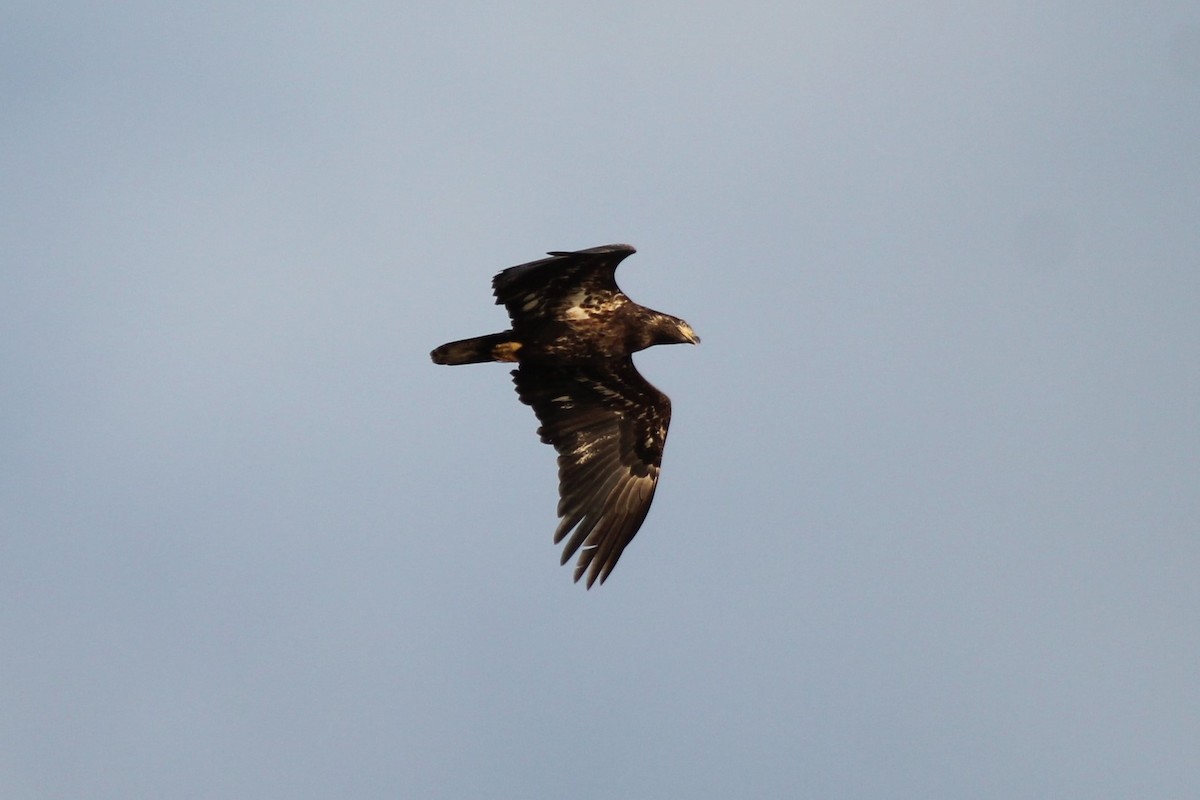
(595,572)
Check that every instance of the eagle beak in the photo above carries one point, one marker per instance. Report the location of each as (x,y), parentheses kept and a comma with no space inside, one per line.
(690,334)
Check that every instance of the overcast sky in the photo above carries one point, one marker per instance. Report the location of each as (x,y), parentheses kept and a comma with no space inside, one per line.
(929,520)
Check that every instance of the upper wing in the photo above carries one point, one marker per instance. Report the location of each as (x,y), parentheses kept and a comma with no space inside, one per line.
(609,426)
(566,284)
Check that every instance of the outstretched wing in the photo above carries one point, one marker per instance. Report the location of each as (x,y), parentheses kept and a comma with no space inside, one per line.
(568,285)
(609,426)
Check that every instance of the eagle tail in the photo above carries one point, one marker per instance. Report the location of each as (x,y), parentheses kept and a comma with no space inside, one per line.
(493,347)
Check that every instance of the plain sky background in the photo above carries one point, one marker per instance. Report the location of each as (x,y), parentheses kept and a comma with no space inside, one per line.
(929,522)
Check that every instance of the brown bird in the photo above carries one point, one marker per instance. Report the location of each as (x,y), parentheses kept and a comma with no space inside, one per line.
(573,334)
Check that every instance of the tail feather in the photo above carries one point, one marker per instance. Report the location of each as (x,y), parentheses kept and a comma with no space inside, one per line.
(477,350)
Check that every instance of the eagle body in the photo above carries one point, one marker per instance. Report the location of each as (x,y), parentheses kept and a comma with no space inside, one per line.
(573,334)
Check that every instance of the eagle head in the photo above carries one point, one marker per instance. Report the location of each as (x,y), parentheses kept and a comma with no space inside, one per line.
(686,334)
(665,329)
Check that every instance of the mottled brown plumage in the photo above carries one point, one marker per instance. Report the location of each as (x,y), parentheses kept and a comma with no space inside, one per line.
(573,334)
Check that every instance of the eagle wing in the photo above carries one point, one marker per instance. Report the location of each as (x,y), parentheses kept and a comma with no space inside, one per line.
(609,426)
(566,284)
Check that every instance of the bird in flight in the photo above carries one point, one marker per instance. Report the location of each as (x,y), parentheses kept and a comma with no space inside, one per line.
(573,334)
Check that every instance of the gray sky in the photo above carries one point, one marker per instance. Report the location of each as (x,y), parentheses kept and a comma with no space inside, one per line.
(929,514)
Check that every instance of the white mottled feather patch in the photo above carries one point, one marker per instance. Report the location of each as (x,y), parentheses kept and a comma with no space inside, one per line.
(575,309)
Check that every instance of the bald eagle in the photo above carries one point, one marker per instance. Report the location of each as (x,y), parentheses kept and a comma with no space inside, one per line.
(573,334)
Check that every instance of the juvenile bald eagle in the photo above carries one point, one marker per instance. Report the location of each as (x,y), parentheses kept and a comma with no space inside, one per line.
(573,332)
